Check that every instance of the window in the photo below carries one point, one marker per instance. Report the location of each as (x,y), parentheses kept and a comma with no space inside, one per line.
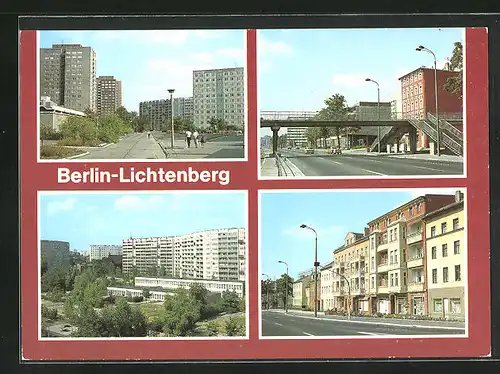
(396,279)
(445,275)
(444,249)
(443,228)
(455,224)
(457,273)
(392,280)
(456,306)
(404,279)
(434,275)
(373,282)
(438,305)
(433,231)
(434,253)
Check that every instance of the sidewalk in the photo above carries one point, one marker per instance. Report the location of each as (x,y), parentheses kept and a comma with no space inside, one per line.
(181,151)
(269,168)
(377,320)
(416,156)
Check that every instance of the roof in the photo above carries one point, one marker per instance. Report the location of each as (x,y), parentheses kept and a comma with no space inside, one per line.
(426,68)
(329,265)
(444,209)
(360,239)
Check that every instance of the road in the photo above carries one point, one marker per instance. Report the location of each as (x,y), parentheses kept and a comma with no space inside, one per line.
(216,147)
(280,324)
(365,165)
(132,146)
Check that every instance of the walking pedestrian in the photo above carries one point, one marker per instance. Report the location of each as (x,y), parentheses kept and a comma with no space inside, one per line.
(202,140)
(195,138)
(188,138)
(149,135)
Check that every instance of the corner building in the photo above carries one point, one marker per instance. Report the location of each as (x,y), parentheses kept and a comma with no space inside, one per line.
(214,254)
(397,250)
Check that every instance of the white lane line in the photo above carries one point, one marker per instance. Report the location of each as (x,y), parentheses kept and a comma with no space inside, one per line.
(367,333)
(374,172)
(307,333)
(338,163)
(425,167)
(279,324)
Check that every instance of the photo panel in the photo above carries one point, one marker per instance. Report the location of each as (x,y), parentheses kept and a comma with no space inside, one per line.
(362,103)
(143,265)
(369,264)
(141,95)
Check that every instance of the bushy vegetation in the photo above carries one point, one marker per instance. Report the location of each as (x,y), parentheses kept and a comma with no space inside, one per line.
(55,151)
(49,313)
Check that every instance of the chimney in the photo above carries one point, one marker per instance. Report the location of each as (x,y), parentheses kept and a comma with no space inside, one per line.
(367,231)
(459,196)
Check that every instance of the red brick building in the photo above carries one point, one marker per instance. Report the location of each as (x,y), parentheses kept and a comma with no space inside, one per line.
(397,253)
(418,97)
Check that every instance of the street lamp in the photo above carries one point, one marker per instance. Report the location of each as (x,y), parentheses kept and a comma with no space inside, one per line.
(378,109)
(348,293)
(171,92)
(421,48)
(267,290)
(286,286)
(316,264)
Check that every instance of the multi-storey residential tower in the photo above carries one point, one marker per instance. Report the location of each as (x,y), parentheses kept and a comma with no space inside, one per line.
(54,252)
(159,112)
(68,76)
(396,257)
(183,107)
(214,254)
(219,93)
(109,94)
(446,260)
(99,251)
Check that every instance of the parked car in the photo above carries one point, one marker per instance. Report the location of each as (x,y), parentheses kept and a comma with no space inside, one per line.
(309,151)
(335,151)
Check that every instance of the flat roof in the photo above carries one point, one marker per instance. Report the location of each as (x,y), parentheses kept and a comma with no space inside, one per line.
(429,216)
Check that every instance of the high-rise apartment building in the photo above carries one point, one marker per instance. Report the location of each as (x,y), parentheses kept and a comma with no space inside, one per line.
(419,97)
(109,94)
(68,76)
(219,93)
(183,107)
(99,251)
(214,254)
(54,252)
(159,112)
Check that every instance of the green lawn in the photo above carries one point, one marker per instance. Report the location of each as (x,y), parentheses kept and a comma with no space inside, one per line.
(151,310)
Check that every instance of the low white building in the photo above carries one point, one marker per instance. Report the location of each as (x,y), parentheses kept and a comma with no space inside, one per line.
(154,295)
(327,293)
(52,115)
(99,251)
(214,286)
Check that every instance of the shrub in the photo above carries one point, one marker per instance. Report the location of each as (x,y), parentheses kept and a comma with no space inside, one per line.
(135,299)
(212,328)
(52,151)
(49,313)
(78,142)
(231,326)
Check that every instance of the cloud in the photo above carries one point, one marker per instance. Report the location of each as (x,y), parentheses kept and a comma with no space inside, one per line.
(129,203)
(266,46)
(203,57)
(61,206)
(349,80)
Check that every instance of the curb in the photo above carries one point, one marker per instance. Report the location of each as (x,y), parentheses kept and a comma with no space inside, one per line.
(377,323)
(79,155)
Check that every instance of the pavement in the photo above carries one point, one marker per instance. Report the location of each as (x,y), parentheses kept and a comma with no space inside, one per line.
(215,147)
(362,163)
(277,323)
(132,146)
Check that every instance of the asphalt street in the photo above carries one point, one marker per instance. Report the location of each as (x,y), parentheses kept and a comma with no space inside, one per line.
(364,165)
(132,146)
(280,324)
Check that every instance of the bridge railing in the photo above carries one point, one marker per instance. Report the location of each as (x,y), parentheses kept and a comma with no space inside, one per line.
(370,116)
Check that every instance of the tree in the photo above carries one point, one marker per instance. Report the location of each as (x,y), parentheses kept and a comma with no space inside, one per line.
(112,127)
(146,294)
(230,301)
(181,312)
(46,132)
(282,141)
(454,85)
(281,288)
(217,124)
(182,124)
(140,124)
(80,129)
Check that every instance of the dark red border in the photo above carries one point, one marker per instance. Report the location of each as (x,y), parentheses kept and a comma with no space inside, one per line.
(42,176)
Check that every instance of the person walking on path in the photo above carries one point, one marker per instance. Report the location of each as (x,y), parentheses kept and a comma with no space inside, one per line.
(149,135)
(195,138)
(202,140)
(188,138)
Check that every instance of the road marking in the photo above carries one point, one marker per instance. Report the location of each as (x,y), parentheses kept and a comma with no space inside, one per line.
(425,167)
(338,163)
(374,172)
(307,333)
(367,333)
(279,324)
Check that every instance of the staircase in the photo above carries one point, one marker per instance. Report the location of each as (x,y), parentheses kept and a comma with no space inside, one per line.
(448,140)
(447,128)
(386,133)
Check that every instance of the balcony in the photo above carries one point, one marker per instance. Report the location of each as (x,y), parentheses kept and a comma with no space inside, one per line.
(415,287)
(383,246)
(383,267)
(415,260)
(397,289)
(383,289)
(414,237)
(358,291)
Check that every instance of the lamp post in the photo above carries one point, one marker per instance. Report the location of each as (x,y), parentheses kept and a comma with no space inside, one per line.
(348,293)
(316,264)
(267,290)
(421,48)
(171,92)
(286,286)
(378,109)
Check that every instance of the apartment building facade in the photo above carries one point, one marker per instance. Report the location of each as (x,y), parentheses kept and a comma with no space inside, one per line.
(327,293)
(397,250)
(183,107)
(109,94)
(54,252)
(350,273)
(159,112)
(219,93)
(419,97)
(446,260)
(100,251)
(68,76)
(214,254)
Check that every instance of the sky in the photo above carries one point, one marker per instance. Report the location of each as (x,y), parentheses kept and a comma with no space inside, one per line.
(149,62)
(331,214)
(298,69)
(107,218)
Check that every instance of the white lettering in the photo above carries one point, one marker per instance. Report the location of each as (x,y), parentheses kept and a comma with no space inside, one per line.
(63,175)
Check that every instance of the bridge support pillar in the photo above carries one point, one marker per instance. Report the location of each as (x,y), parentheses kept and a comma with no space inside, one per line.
(275,130)
(412,140)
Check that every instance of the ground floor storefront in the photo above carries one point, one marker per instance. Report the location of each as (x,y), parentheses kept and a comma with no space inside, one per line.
(448,303)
